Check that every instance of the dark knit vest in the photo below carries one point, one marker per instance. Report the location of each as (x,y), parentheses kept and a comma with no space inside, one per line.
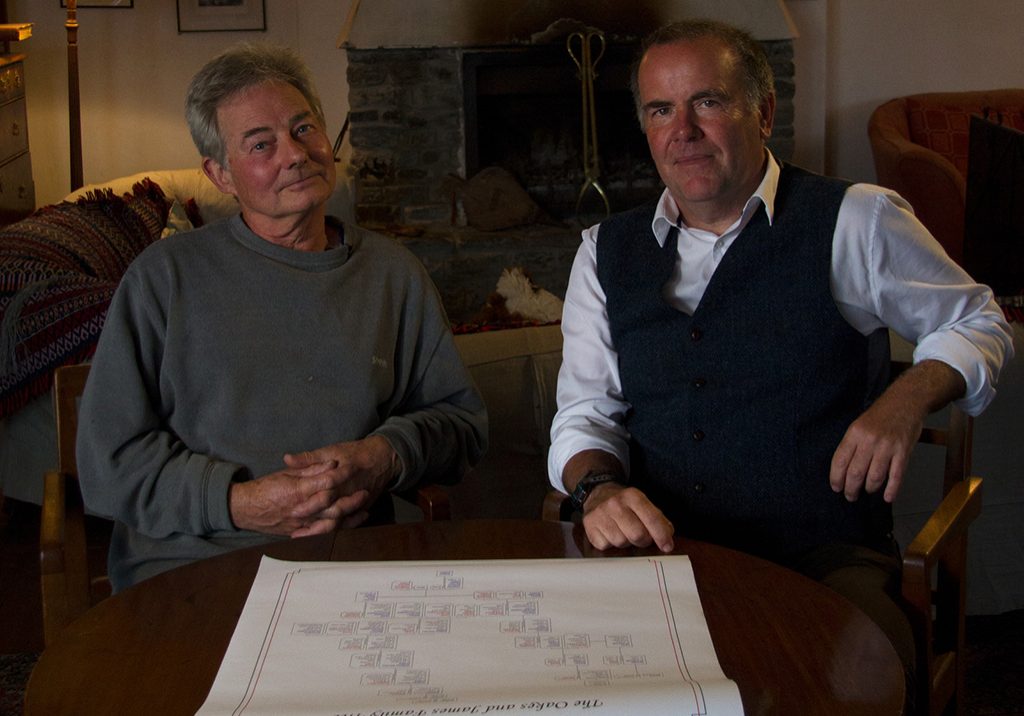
(735,412)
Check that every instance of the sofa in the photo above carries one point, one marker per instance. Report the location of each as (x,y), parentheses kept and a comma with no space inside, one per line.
(920,145)
(58,270)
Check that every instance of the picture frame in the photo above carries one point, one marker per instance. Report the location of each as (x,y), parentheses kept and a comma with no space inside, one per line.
(117,4)
(221,15)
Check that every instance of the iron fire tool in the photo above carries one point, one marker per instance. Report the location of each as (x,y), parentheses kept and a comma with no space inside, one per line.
(581,47)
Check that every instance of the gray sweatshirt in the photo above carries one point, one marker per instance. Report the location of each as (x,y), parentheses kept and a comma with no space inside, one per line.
(222,351)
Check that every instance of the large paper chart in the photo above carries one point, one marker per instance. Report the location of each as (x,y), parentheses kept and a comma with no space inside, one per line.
(577,636)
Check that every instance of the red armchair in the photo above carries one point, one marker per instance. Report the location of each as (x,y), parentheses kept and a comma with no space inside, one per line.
(920,145)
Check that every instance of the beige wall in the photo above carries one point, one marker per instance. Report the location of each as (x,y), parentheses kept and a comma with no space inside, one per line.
(879,49)
(851,56)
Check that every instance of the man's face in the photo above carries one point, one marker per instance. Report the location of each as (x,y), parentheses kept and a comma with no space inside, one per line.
(277,158)
(705,139)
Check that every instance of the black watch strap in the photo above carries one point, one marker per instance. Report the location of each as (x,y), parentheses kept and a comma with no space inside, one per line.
(588,483)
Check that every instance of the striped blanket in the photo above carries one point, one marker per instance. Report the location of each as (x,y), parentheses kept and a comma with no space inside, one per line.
(58,271)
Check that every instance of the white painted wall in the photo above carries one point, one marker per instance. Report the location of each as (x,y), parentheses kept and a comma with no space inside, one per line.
(879,49)
(851,56)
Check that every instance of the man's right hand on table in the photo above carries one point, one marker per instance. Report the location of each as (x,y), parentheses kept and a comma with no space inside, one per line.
(619,516)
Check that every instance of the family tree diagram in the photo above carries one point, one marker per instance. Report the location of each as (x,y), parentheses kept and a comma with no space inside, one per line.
(376,632)
(473,637)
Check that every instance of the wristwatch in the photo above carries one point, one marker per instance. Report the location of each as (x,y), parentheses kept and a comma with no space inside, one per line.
(587,484)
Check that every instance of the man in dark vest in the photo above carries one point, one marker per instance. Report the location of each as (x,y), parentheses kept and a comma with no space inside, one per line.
(726,347)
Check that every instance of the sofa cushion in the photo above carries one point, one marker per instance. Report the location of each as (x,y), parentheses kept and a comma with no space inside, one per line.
(944,127)
(58,271)
(516,371)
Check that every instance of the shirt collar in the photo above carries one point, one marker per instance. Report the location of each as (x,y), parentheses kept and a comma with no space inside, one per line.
(667,215)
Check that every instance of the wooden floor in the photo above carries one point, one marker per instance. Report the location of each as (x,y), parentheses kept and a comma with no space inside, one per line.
(996,657)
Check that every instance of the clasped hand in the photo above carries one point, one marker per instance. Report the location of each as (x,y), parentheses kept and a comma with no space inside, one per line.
(317,491)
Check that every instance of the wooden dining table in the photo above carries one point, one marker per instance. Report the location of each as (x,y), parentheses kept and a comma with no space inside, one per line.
(791,645)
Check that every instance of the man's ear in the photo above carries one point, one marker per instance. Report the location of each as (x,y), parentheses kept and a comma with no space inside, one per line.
(767,110)
(219,175)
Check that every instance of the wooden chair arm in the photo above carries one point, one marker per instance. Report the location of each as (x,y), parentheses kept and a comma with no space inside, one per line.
(51,523)
(557,507)
(431,499)
(948,523)
(434,502)
(934,590)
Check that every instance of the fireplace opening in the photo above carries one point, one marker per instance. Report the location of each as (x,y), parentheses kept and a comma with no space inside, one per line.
(524,111)
(421,116)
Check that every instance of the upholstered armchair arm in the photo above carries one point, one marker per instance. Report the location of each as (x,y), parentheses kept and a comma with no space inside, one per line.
(938,193)
(922,176)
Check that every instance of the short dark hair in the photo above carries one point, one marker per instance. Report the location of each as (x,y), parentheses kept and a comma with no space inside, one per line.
(239,67)
(758,79)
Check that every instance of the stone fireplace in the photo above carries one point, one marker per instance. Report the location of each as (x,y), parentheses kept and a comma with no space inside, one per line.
(441,89)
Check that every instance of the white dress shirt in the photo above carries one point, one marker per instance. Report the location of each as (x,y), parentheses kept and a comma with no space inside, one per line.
(887,271)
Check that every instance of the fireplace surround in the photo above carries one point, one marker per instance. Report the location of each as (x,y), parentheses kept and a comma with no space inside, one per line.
(432,103)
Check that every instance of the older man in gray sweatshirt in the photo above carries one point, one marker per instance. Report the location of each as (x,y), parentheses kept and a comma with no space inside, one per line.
(274,374)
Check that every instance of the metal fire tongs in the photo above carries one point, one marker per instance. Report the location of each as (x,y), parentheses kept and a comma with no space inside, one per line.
(581,47)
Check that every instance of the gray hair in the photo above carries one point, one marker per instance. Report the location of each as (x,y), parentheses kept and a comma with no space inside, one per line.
(239,67)
(758,79)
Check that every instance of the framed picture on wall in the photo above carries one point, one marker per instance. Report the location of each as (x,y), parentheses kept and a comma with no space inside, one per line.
(100,3)
(221,15)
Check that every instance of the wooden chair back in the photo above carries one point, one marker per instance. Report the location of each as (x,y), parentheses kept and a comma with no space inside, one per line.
(69,586)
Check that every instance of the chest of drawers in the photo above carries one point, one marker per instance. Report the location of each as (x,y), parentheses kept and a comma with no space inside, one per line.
(17,191)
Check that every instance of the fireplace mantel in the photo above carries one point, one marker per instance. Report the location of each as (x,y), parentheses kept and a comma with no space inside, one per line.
(472,23)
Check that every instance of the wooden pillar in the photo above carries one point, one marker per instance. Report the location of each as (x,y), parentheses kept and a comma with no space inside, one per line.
(74,99)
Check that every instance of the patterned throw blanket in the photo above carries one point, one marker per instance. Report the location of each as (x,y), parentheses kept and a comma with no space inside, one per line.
(58,271)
